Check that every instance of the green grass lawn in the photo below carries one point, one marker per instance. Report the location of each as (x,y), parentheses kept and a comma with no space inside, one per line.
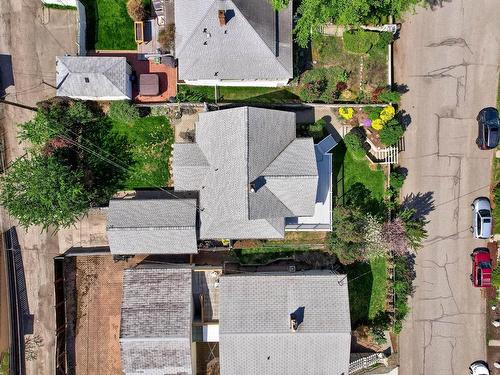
(257,95)
(367,290)
(151,139)
(348,171)
(4,365)
(109,26)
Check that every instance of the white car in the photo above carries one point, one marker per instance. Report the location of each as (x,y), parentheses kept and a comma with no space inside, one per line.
(479,368)
(481,218)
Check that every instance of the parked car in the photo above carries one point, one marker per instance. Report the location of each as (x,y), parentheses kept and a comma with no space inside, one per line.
(481,268)
(479,368)
(481,218)
(489,125)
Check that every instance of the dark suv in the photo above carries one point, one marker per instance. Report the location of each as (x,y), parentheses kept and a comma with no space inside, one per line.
(487,120)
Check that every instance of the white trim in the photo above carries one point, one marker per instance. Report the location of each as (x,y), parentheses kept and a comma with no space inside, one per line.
(237,83)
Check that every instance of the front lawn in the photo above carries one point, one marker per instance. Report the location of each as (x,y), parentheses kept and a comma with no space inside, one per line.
(367,284)
(151,139)
(109,26)
(348,171)
(228,94)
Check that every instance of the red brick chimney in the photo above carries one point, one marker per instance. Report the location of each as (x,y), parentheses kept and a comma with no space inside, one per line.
(222,17)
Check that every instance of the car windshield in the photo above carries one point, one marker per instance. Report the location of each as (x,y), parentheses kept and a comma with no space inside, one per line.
(484,213)
(484,265)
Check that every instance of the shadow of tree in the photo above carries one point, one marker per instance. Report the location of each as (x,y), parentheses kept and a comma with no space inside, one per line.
(422,203)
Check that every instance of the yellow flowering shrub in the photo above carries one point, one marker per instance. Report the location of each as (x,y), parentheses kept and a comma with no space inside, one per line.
(387,113)
(378,124)
(346,112)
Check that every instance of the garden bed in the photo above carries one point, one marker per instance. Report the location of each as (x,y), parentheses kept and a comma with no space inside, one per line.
(340,75)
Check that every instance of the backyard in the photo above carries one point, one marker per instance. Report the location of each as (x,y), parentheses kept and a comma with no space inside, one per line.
(109,26)
(151,141)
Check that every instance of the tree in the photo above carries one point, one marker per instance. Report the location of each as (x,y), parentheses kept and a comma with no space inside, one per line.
(279,4)
(392,132)
(354,145)
(394,236)
(85,162)
(166,37)
(40,191)
(388,96)
(316,13)
(414,227)
(136,10)
(375,246)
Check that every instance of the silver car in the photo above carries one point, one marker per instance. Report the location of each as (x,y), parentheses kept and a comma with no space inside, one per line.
(481,218)
(479,368)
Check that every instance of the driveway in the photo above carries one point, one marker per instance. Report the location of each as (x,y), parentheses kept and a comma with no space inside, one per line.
(449,58)
(30,39)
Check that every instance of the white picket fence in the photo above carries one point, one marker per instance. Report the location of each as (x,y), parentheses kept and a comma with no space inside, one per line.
(363,363)
(387,155)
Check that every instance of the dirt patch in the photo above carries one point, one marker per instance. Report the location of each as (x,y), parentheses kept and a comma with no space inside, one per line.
(99,282)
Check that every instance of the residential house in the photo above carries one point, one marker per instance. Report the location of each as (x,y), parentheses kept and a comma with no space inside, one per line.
(233,43)
(175,320)
(152,226)
(251,173)
(93,77)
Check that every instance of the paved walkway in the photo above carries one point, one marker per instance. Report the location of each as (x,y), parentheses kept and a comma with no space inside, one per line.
(449,59)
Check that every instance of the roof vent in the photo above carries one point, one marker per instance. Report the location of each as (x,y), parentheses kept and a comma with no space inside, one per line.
(87,80)
(205,43)
(222,17)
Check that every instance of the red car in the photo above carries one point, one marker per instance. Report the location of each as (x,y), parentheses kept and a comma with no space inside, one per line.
(481,267)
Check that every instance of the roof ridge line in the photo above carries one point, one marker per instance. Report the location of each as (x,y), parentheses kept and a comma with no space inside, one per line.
(104,73)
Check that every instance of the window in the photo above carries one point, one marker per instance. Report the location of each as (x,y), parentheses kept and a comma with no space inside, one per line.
(478,277)
(478,225)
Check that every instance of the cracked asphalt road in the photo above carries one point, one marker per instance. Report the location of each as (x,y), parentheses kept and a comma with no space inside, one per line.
(449,58)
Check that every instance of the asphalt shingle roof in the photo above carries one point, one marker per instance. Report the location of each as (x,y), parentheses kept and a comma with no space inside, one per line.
(240,146)
(152,226)
(255,43)
(255,336)
(156,320)
(91,76)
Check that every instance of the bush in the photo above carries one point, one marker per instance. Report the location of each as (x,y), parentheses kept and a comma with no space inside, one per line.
(279,4)
(354,145)
(391,133)
(166,37)
(495,279)
(190,96)
(317,130)
(372,112)
(397,179)
(388,96)
(360,41)
(321,84)
(123,111)
(403,288)
(136,10)
(346,252)
(384,38)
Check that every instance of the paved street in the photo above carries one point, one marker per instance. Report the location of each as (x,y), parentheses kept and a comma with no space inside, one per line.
(449,58)
(31,38)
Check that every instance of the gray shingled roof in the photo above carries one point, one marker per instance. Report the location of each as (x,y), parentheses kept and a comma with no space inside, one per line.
(255,336)
(107,76)
(255,43)
(234,148)
(152,226)
(156,319)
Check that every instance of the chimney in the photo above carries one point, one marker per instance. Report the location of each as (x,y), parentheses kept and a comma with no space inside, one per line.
(222,17)
(294,324)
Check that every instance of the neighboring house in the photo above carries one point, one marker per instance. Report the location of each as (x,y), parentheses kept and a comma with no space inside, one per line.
(93,77)
(251,173)
(284,323)
(259,323)
(233,42)
(152,226)
(156,321)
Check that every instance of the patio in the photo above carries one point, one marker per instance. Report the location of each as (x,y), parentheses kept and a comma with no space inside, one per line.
(167,77)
